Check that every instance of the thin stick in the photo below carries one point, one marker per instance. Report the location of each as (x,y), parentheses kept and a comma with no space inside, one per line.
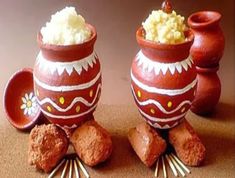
(64,170)
(83,168)
(70,168)
(156,170)
(171,166)
(164,168)
(177,166)
(76,169)
(181,164)
(56,169)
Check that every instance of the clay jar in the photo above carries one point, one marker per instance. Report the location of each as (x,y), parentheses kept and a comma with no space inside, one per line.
(67,81)
(208,90)
(208,46)
(206,52)
(163,80)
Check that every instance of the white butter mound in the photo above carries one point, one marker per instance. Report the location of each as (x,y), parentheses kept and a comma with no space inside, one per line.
(164,28)
(65,28)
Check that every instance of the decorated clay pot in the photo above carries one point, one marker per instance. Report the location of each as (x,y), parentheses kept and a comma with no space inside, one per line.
(163,80)
(209,41)
(67,81)
(208,90)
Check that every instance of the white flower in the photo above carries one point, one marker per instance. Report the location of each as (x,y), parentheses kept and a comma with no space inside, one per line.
(29,105)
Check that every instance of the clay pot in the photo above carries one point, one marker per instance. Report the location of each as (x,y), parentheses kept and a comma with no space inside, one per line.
(209,41)
(208,91)
(163,80)
(67,81)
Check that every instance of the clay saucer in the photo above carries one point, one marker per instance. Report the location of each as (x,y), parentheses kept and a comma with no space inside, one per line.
(19,100)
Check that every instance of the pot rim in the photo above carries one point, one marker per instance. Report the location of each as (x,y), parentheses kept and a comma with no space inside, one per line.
(54,47)
(210,18)
(140,33)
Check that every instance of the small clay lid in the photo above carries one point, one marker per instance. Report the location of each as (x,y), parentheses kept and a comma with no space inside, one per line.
(20,102)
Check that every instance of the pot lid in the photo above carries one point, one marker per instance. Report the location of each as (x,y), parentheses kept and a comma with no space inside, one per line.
(20,103)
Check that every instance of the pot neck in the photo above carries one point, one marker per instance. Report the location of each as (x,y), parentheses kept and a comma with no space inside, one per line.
(165,53)
(204,20)
(68,53)
(207,70)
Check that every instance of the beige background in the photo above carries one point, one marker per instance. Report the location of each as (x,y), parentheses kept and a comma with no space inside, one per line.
(116,22)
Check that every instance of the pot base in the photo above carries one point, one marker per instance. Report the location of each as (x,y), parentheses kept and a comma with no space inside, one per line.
(208,91)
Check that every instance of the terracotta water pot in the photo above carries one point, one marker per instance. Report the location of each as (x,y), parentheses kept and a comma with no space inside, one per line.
(163,80)
(206,51)
(209,42)
(208,90)
(67,81)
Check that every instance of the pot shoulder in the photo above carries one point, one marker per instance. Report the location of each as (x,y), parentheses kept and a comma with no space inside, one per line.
(163,75)
(208,47)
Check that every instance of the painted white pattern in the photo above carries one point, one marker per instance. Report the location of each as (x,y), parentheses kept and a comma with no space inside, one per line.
(69,116)
(170,92)
(60,67)
(166,126)
(159,106)
(29,105)
(68,127)
(151,65)
(69,87)
(155,119)
(75,100)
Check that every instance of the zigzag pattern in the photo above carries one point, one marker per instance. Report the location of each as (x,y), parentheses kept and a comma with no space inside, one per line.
(155,119)
(158,105)
(69,116)
(166,126)
(75,100)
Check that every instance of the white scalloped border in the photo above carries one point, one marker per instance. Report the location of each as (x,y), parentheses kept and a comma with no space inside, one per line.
(60,67)
(151,65)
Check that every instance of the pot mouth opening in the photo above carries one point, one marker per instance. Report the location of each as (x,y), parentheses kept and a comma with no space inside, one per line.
(91,40)
(140,36)
(203,19)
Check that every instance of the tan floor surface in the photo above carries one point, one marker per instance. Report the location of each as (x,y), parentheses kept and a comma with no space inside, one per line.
(116,22)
